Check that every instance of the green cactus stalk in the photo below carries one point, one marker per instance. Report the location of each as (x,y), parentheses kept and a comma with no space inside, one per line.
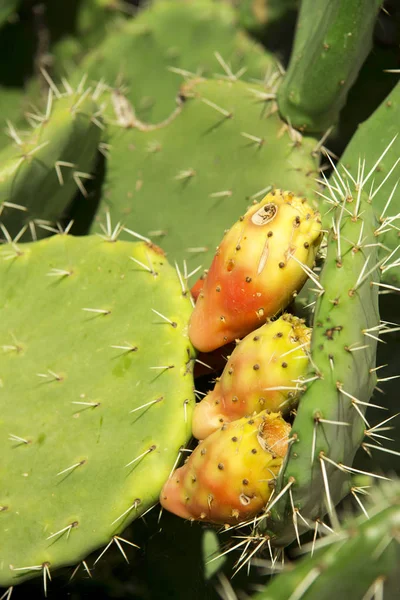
(370,142)
(333,39)
(353,562)
(330,423)
(41,172)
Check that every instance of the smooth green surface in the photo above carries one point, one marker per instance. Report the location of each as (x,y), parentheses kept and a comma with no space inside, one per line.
(185,183)
(333,39)
(56,356)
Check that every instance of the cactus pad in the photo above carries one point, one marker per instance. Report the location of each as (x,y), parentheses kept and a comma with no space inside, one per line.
(148,56)
(226,148)
(41,173)
(96,394)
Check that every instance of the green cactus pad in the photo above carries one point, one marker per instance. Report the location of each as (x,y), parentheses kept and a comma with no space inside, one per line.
(333,40)
(96,394)
(173,35)
(41,172)
(361,556)
(370,143)
(330,423)
(189,180)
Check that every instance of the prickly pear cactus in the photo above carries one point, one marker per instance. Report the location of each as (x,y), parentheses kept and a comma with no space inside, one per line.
(356,561)
(41,172)
(174,40)
(263,372)
(330,423)
(224,149)
(260,265)
(377,141)
(333,36)
(229,475)
(96,391)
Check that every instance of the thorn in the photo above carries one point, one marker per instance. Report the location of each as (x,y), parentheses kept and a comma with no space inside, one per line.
(151,449)
(71,468)
(51,83)
(136,235)
(7,594)
(58,273)
(197,250)
(128,347)
(16,438)
(185,174)
(258,140)
(50,373)
(223,194)
(101,311)
(134,506)
(117,541)
(62,163)
(77,176)
(63,530)
(147,404)
(173,323)
(262,192)
(225,113)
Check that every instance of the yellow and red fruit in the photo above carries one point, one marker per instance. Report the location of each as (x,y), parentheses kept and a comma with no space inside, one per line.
(230,475)
(262,372)
(257,269)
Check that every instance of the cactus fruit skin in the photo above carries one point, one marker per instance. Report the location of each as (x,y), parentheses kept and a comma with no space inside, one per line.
(40,174)
(230,475)
(273,356)
(330,424)
(255,272)
(370,141)
(77,333)
(362,553)
(332,42)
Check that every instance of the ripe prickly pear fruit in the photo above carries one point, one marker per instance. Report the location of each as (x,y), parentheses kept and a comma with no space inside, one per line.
(262,372)
(257,269)
(230,475)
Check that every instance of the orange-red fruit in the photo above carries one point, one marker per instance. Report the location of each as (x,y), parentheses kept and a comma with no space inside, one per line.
(262,372)
(230,475)
(257,269)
